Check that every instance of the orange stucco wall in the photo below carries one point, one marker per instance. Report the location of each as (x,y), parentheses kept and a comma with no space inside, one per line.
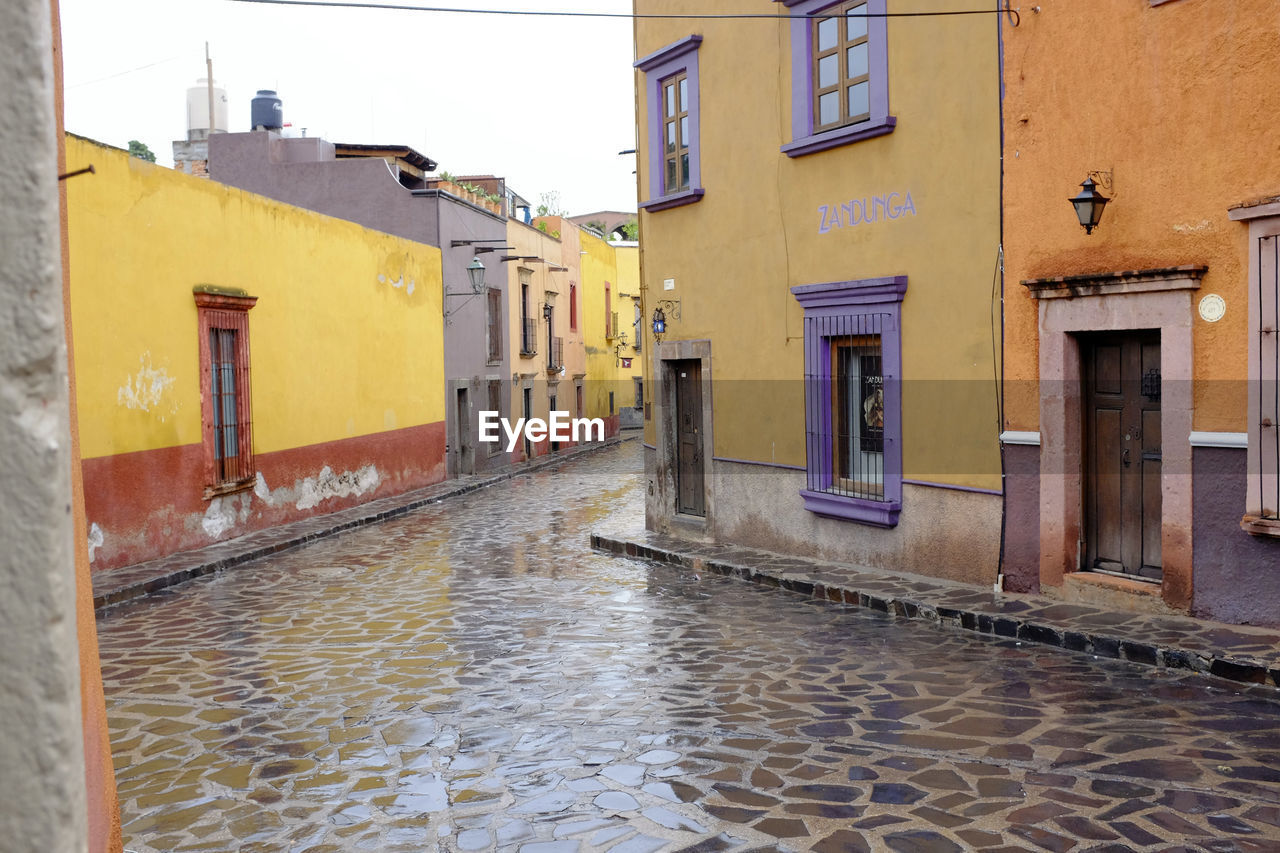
(103,817)
(1178,101)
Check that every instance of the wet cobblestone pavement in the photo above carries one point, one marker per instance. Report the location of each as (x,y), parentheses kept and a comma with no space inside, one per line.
(471,676)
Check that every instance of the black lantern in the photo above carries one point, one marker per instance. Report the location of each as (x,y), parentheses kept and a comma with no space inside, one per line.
(659,324)
(475,271)
(1089,204)
(546,311)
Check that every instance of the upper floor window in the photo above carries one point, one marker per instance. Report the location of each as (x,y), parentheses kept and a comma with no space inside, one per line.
(839,74)
(672,135)
(675,134)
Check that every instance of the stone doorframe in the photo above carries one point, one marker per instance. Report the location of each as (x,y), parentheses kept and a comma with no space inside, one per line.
(668,520)
(1158,299)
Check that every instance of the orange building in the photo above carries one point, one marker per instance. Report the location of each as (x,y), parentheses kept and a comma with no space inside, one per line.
(1140,357)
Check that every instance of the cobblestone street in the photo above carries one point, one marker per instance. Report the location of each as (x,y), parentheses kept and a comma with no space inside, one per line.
(471,676)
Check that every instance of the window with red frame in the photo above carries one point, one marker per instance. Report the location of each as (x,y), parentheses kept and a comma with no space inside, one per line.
(227,424)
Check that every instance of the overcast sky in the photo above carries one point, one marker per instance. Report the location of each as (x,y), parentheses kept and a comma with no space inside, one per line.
(546,102)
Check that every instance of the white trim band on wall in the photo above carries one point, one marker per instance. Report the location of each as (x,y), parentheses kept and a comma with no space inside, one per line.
(1237,440)
(1028,438)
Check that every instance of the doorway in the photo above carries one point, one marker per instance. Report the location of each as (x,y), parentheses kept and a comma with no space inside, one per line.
(466,455)
(528,415)
(1120,372)
(690,492)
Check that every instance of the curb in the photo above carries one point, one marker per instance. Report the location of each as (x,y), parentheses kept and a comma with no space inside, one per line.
(142,579)
(1222,665)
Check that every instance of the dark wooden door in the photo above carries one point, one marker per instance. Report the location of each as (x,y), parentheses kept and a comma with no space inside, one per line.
(690,498)
(1122,453)
(466,458)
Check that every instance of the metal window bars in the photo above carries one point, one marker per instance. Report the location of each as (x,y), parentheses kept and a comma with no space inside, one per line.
(845,405)
(529,336)
(229,386)
(555,355)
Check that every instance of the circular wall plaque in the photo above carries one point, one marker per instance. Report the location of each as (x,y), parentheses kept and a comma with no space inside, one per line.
(1212,307)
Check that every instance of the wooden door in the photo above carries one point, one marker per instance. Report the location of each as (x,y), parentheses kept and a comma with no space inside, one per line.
(690,497)
(1122,453)
(466,460)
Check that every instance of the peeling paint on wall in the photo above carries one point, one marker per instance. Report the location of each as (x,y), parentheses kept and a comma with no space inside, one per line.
(146,389)
(224,513)
(312,491)
(96,538)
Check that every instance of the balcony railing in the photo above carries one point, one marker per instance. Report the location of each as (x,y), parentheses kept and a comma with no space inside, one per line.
(529,337)
(555,357)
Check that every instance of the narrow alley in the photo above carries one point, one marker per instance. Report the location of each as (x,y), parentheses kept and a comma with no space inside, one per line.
(471,676)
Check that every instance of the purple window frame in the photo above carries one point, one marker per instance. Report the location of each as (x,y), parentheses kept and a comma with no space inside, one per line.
(680,56)
(882,296)
(803,139)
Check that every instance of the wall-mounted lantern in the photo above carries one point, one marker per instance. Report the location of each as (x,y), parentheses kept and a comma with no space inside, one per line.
(475,272)
(666,307)
(1089,204)
(546,310)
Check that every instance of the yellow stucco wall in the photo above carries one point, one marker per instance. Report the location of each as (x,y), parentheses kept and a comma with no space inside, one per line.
(735,254)
(345,340)
(618,267)
(1178,102)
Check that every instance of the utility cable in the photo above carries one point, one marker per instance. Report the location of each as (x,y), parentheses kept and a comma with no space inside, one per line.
(399,7)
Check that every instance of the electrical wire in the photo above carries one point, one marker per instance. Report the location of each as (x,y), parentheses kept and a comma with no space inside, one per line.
(400,7)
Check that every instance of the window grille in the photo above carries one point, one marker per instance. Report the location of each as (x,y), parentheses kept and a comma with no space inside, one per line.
(555,355)
(494,317)
(225,391)
(529,337)
(846,405)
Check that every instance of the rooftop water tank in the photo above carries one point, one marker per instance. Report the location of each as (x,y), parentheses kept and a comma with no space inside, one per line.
(268,113)
(198,126)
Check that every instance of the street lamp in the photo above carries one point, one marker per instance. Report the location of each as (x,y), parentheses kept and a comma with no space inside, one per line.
(1089,204)
(659,324)
(475,271)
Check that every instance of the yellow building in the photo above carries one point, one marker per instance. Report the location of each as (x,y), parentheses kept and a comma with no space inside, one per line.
(240,362)
(613,338)
(820,234)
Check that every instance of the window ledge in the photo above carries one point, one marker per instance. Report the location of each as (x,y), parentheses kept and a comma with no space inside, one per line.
(674,200)
(211,492)
(1257,526)
(875,513)
(840,136)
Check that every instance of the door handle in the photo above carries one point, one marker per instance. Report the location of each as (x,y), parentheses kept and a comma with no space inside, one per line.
(1125,457)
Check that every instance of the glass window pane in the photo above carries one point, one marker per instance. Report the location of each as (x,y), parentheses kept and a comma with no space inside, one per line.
(857,22)
(828,108)
(684,131)
(670,97)
(671,137)
(828,33)
(684,170)
(828,70)
(684,94)
(670,185)
(857,60)
(859,99)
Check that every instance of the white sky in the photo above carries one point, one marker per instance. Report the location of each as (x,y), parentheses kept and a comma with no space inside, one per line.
(545,102)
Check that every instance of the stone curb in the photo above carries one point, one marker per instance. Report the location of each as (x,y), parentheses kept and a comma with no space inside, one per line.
(1001,625)
(141,579)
